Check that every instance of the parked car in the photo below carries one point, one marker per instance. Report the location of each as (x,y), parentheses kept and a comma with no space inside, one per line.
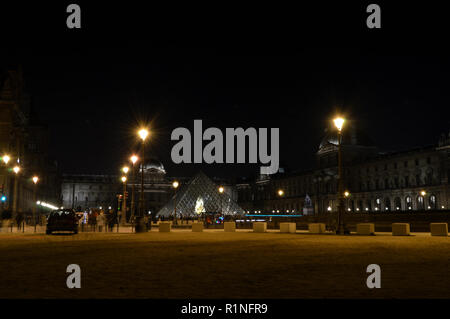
(62,220)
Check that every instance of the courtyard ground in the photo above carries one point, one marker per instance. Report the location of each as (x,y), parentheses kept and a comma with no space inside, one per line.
(215,264)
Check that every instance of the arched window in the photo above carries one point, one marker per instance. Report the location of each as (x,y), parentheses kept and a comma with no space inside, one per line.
(378,204)
(420,203)
(408,201)
(368,205)
(387,204)
(432,202)
(397,203)
(359,206)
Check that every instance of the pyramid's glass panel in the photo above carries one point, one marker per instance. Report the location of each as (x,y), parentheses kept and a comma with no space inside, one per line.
(200,195)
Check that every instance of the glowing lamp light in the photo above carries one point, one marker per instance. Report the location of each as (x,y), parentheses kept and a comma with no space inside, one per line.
(3,198)
(16,169)
(124,179)
(143,133)
(357,209)
(409,207)
(6,159)
(329,208)
(367,209)
(376,208)
(221,189)
(35,179)
(346,193)
(442,207)
(429,207)
(280,192)
(349,209)
(339,123)
(134,159)
(175,184)
(125,169)
(423,193)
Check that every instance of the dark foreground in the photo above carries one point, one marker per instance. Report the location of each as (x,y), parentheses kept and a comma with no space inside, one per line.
(214,264)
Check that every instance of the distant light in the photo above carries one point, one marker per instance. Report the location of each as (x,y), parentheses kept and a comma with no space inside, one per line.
(280,192)
(409,207)
(349,209)
(376,208)
(134,159)
(35,179)
(38,202)
(125,169)
(221,189)
(387,208)
(6,159)
(124,179)
(287,210)
(423,193)
(175,184)
(443,207)
(3,198)
(429,207)
(339,123)
(346,193)
(329,208)
(16,169)
(398,208)
(367,208)
(278,211)
(143,133)
(100,207)
(109,207)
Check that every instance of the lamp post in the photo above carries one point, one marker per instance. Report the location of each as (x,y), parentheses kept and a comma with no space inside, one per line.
(35,180)
(133,160)
(140,227)
(175,185)
(221,190)
(123,220)
(339,123)
(16,170)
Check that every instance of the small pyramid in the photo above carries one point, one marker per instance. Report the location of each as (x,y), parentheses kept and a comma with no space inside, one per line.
(200,195)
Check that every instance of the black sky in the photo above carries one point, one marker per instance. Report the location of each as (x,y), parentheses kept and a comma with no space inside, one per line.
(93,94)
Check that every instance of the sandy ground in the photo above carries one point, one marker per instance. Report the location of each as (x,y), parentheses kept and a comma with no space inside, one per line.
(215,264)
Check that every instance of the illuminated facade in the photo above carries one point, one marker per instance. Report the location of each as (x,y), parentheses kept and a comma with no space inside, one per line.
(412,180)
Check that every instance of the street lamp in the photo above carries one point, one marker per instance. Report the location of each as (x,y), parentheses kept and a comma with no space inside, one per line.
(339,123)
(221,190)
(6,159)
(133,160)
(280,192)
(35,180)
(175,185)
(16,170)
(143,133)
(124,201)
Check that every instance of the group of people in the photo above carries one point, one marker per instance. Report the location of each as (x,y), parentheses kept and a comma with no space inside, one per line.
(98,220)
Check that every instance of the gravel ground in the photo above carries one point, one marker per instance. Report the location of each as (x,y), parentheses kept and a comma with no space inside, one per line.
(215,264)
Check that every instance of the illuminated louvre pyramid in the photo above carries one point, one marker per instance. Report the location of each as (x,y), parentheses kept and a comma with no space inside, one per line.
(200,195)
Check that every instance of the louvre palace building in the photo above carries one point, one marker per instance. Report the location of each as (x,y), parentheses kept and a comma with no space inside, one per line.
(412,180)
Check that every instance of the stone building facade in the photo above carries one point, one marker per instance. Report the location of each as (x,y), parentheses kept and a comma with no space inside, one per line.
(82,192)
(411,180)
(25,140)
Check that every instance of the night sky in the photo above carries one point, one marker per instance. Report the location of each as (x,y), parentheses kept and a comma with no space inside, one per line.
(95,87)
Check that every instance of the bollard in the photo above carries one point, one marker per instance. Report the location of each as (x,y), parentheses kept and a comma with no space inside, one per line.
(316,228)
(259,227)
(229,226)
(439,229)
(288,228)
(400,229)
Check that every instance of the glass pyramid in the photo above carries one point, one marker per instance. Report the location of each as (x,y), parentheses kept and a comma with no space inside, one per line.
(200,195)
